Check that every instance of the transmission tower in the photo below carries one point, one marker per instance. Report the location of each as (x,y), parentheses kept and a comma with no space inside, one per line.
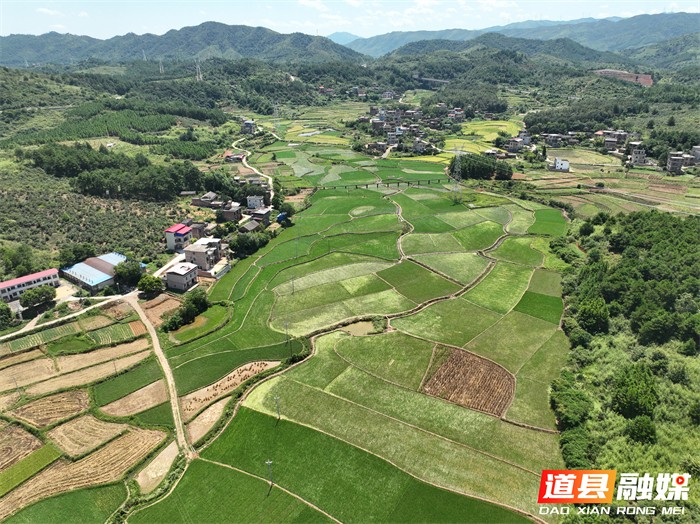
(199,76)
(160,63)
(276,117)
(144,55)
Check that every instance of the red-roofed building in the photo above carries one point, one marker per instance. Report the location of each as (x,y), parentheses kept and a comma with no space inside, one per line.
(177,237)
(11,290)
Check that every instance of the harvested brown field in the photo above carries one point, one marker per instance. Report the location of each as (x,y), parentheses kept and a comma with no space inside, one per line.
(137,328)
(138,401)
(108,464)
(118,310)
(473,382)
(83,434)
(159,306)
(193,402)
(8,400)
(26,373)
(15,444)
(205,420)
(87,375)
(49,410)
(153,474)
(668,188)
(95,322)
(299,197)
(74,362)
(22,357)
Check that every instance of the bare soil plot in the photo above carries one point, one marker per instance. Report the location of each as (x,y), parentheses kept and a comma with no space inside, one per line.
(359,328)
(88,375)
(8,400)
(95,322)
(138,401)
(83,434)
(15,444)
(137,328)
(153,474)
(108,464)
(48,410)
(193,402)
(205,420)
(73,362)
(26,373)
(22,357)
(159,306)
(118,310)
(473,382)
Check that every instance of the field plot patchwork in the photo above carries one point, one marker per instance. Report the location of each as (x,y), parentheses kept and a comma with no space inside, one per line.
(502,288)
(83,434)
(15,444)
(54,408)
(548,222)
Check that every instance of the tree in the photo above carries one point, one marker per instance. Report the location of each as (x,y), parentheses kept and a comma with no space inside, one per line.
(150,285)
(38,295)
(72,253)
(586,229)
(671,121)
(128,272)
(5,315)
(642,429)
(593,315)
(634,391)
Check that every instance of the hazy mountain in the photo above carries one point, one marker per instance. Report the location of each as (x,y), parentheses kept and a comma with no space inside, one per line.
(604,35)
(207,40)
(674,54)
(342,37)
(561,49)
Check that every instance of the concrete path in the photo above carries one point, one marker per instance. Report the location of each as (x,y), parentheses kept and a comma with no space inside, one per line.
(180,433)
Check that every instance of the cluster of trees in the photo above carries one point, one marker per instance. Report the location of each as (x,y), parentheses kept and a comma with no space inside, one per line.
(633,320)
(245,244)
(101,172)
(73,253)
(6,317)
(479,167)
(195,303)
(37,296)
(17,261)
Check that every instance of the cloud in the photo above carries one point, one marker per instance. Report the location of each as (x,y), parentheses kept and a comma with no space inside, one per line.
(57,27)
(83,14)
(48,12)
(318,5)
(354,3)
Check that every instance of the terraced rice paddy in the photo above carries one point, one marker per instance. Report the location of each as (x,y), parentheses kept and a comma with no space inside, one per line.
(412,422)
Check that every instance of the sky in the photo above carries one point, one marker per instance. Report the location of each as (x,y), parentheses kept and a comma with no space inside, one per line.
(106,18)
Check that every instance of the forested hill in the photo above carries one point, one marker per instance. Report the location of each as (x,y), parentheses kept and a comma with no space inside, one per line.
(207,40)
(676,53)
(560,49)
(603,35)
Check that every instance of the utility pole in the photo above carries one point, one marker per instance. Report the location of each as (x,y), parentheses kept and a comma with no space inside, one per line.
(277,402)
(269,472)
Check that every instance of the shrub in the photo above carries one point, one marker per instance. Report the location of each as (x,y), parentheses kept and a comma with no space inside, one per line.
(634,391)
(642,429)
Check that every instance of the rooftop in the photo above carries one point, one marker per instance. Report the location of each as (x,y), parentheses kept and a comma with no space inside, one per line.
(28,278)
(179,229)
(182,268)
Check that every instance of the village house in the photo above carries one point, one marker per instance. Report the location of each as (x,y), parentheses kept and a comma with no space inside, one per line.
(233,212)
(392,139)
(262,215)
(255,201)
(514,145)
(181,277)
(677,160)
(560,165)
(250,227)
(638,157)
(525,136)
(209,200)
(248,127)
(177,237)
(696,153)
(11,290)
(205,253)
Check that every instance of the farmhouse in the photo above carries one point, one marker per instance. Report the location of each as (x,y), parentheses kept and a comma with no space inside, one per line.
(206,200)
(233,212)
(12,289)
(638,157)
(249,227)
(255,201)
(560,165)
(181,277)
(248,127)
(177,237)
(204,253)
(677,160)
(262,215)
(514,145)
(95,273)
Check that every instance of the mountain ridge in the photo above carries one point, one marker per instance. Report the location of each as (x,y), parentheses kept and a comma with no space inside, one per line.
(206,40)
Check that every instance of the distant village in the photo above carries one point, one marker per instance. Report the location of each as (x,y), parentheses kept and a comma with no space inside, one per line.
(406,130)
